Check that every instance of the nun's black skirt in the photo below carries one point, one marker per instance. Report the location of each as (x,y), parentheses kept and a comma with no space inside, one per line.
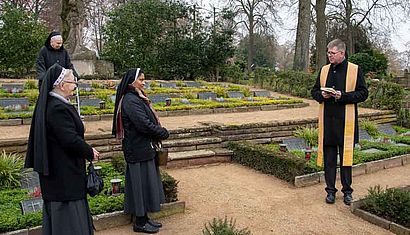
(143,188)
(67,218)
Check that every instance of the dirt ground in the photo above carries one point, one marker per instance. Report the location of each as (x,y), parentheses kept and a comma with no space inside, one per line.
(265,204)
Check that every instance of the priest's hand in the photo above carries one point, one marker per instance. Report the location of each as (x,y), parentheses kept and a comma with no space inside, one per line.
(326,95)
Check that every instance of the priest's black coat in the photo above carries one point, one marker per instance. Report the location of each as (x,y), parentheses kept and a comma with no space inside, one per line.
(334,110)
(141,129)
(67,152)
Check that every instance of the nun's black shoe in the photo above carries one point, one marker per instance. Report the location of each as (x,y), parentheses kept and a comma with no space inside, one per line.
(154,223)
(330,198)
(348,199)
(147,228)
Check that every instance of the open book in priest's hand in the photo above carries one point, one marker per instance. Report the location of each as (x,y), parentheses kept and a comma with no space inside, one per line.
(328,90)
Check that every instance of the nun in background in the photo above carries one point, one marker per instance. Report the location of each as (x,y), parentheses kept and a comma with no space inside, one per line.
(52,52)
(57,151)
(137,125)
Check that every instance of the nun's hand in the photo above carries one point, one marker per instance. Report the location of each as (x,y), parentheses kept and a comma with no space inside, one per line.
(96,154)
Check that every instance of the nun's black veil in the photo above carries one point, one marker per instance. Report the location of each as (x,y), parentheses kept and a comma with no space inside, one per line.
(37,156)
(128,78)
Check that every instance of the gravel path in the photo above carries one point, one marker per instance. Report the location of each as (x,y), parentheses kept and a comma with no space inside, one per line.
(265,204)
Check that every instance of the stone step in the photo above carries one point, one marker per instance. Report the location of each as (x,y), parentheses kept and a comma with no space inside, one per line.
(188,144)
(198,157)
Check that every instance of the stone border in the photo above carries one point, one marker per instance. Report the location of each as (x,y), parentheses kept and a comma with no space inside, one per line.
(360,169)
(113,219)
(102,117)
(379,221)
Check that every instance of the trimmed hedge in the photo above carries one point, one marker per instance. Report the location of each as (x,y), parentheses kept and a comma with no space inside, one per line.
(391,204)
(283,165)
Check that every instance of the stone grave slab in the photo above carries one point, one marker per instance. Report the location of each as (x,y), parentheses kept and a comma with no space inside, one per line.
(295,143)
(261,93)
(85,87)
(168,84)
(372,150)
(220,99)
(207,95)
(14,104)
(235,94)
(363,135)
(386,129)
(184,101)
(31,205)
(90,102)
(193,84)
(30,180)
(156,98)
(402,145)
(13,87)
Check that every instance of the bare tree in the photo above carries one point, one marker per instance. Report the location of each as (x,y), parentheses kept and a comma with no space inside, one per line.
(301,58)
(255,15)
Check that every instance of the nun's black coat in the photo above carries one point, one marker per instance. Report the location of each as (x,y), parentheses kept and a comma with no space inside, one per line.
(67,152)
(49,56)
(141,129)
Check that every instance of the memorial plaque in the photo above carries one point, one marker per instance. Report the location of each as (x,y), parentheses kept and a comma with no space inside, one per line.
(235,94)
(363,135)
(386,129)
(168,84)
(13,88)
(207,95)
(193,84)
(30,180)
(261,93)
(90,102)
(85,87)
(31,205)
(295,143)
(14,104)
(156,98)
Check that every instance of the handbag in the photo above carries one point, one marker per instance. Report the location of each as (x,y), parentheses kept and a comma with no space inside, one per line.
(95,183)
(162,155)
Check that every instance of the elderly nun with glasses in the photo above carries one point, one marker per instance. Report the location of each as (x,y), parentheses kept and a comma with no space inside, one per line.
(137,125)
(58,152)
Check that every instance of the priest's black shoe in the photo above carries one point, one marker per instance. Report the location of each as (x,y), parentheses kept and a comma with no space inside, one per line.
(147,228)
(330,198)
(348,199)
(154,223)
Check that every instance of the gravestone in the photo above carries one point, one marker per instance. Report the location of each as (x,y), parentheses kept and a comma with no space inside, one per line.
(168,84)
(295,143)
(184,101)
(235,94)
(13,87)
(363,135)
(30,180)
(156,98)
(261,93)
(90,102)
(372,150)
(113,98)
(31,205)
(386,129)
(220,99)
(207,95)
(85,87)
(147,85)
(14,104)
(193,84)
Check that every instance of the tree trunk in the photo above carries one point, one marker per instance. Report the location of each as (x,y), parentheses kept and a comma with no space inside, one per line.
(320,34)
(301,59)
(251,45)
(349,28)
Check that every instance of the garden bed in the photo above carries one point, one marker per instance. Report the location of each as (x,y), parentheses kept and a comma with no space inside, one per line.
(388,208)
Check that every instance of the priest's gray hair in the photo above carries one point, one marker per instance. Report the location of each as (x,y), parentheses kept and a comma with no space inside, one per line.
(339,44)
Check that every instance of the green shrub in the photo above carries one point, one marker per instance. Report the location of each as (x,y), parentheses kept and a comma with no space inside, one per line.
(391,204)
(403,118)
(294,83)
(170,185)
(309,134)
(30,84)
(118,162)
(223,227)
(371,61)
(11,166)
(370,127)
(384,95)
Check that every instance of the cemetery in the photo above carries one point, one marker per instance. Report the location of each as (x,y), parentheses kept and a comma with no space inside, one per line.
(239,104)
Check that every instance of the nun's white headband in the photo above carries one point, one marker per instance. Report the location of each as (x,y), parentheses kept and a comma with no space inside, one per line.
(136,74)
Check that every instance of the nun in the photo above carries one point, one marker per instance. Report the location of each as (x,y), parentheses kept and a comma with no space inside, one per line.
(57,151)
(52,52)
(137,125)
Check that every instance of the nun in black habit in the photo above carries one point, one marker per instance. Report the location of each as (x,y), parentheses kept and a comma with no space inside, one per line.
(52,52)
(57,151)
(137,125)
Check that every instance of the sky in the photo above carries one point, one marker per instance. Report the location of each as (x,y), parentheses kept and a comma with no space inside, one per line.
(398,38)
